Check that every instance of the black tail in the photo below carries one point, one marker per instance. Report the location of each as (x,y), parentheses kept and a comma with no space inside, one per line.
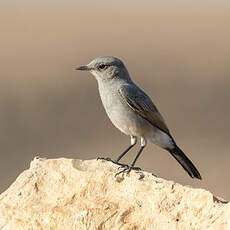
(188,166)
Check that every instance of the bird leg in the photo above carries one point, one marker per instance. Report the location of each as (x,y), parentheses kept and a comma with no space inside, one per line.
(127,169)
(133,142)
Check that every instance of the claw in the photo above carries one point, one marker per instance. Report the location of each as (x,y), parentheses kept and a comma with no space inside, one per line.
(105,158)
(115,162)
(127,169)
(122,166)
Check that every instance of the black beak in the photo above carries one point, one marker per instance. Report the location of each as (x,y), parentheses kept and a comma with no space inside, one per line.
(83,68)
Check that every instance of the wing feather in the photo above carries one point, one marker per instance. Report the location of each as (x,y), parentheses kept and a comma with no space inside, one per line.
(143,106)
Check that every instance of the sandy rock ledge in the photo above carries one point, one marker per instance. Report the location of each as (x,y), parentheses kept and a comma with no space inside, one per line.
(64,194)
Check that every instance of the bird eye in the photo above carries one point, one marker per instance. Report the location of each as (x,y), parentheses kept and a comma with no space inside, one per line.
(102,66)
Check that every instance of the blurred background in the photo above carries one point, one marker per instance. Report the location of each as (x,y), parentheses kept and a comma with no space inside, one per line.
(179,53)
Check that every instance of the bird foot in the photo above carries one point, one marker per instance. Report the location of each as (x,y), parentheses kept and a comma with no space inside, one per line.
(115,162)
(127,169)
(105,158)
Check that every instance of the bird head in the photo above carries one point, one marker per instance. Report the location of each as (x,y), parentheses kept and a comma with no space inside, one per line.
(106,68)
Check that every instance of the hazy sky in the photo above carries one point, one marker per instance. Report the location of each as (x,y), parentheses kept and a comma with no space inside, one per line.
(177,52)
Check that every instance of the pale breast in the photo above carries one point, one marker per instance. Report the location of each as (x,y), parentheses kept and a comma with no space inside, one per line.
(121,115)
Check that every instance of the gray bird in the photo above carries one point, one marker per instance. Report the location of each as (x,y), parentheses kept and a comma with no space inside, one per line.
(132,111)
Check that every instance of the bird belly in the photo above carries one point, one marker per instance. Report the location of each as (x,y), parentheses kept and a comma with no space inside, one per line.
(126,120)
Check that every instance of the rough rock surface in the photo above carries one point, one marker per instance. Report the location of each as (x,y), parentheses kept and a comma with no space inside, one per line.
(64,194)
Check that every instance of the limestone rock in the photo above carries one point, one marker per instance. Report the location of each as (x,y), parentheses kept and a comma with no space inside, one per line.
(64,194)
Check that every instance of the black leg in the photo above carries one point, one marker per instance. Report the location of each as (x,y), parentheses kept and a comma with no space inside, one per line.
(137,156)
(124,152)
(133,142)
(129,168)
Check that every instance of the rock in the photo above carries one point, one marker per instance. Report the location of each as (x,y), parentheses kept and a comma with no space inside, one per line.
(64,194)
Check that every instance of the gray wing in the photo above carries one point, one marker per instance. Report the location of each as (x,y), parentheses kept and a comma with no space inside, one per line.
(143,106)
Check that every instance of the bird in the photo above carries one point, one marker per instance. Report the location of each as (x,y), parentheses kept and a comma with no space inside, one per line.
(133,112)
